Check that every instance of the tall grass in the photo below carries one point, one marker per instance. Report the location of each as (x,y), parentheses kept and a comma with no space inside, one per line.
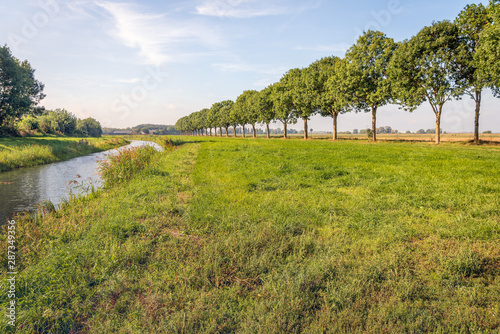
(125,164)
(28,152)
(257,236)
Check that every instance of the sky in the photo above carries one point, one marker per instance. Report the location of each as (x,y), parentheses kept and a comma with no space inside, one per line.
(133,62)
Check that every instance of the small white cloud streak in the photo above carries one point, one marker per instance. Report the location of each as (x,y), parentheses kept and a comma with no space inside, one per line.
(158,38)
(251,8)
(341,47)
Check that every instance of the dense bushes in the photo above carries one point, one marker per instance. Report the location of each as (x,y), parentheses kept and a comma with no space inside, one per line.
(59,122)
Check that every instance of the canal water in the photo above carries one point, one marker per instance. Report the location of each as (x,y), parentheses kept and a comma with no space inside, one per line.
(22,189)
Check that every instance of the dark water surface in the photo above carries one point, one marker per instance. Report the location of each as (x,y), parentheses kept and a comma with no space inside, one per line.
(22,189)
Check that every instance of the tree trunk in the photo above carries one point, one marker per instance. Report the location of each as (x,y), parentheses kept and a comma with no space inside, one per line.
(210,131)
(305,127)
(253,128)
(220,131)
(476,120)
(438,125)
(335,114)
(374,123)
(227,131)
(286,135)
(267,126)
(234,128)
(243,130)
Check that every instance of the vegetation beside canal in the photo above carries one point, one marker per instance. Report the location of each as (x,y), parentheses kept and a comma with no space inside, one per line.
(31,151)
(221,235)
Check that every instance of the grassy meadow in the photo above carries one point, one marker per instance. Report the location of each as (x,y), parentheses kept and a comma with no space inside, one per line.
(31,151)
(219,235)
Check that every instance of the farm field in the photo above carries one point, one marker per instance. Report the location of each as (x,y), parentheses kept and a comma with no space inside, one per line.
(240,235)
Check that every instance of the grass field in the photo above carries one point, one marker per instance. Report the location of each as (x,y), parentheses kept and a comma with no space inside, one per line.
(273,236)
(32,151)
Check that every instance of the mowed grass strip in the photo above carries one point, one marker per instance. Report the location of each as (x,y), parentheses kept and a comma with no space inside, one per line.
(275,236)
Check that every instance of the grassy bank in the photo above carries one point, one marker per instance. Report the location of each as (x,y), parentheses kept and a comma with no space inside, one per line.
(32,151)
(257,236)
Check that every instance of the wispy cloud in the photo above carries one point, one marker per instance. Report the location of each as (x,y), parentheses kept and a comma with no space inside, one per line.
(158,37)
(251,8)
(128,81)
(244,67)
(265,74)
(340,47)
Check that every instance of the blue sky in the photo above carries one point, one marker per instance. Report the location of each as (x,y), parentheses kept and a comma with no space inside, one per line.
(131,62)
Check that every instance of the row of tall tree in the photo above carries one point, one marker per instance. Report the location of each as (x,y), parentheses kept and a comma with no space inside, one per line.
(444,61)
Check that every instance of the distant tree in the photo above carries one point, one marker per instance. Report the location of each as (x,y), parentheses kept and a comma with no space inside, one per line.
(300,85)
(366,78)
(426,68)
(88,127)
(267,112)
(246,109)
(355,131)
(145,131)
(421,131)
(225,115)
(20,92)
(283,105)
(471,22)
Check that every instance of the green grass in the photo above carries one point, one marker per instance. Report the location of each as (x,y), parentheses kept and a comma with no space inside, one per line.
(274,236)
(32,151)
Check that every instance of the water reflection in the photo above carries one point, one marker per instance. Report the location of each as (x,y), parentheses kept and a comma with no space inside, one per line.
(23,189)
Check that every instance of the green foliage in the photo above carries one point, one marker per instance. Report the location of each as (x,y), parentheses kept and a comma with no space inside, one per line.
(89,127)
(20,92)
(488,52)
(28,124)
(427,68)
(246,108)
(366,71)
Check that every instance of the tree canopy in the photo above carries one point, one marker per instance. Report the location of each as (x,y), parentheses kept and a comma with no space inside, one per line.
(20,92)
(427,68)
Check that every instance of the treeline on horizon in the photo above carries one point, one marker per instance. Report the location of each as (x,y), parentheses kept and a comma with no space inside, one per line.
(20,113)
(444,61)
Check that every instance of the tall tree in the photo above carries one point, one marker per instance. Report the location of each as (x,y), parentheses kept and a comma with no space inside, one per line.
(330,99)
(299,85)
(20,92)
(426,68)
(366,78)
(283,105)
(487,55)
(471,22)
(245,110)
(266,108)
(225,115)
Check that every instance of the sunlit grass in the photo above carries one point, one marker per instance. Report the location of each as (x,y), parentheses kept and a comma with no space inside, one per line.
(32,151)
(274,236)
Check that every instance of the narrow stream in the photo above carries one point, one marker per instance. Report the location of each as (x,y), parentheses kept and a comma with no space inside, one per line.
(22,189)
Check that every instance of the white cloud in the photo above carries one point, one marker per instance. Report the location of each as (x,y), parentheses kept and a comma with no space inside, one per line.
(251,8)
(340,47)
(133,80)
(159,38)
